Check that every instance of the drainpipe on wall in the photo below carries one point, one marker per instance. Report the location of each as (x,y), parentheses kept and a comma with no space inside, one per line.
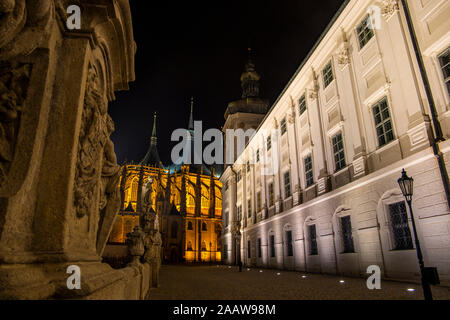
(437,133)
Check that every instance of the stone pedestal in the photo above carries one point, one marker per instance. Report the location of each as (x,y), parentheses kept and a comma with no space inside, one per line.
(58,171)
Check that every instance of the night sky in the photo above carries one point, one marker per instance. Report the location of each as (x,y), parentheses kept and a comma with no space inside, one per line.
(199,49)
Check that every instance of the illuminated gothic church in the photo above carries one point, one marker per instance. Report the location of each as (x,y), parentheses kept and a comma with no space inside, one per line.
(187,199)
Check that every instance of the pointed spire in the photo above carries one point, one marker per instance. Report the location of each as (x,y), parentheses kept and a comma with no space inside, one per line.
(191,117)
(154,128)
(152,157)
(250,79)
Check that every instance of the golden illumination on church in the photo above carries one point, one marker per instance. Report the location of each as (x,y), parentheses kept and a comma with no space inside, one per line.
(187,200)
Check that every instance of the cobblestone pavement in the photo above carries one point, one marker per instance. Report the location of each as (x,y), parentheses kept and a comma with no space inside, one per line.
(186,282)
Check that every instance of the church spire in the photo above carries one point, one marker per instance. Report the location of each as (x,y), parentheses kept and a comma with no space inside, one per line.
(152,156)
(154,139)
(250,79)
(191,117)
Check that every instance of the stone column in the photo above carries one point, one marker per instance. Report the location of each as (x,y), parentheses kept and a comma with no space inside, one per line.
(59,176)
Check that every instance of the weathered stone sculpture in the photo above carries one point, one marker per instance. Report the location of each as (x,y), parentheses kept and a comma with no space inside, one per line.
(152,238)
(58,171)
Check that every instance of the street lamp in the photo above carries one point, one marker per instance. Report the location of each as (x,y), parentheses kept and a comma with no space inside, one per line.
(406,185)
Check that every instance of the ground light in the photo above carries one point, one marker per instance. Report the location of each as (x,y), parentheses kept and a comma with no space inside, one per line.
(303,277)
(341,281)
(411,289)
(278,273)
(260,271)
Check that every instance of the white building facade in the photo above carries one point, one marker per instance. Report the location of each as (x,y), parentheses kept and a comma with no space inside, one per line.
(352,117)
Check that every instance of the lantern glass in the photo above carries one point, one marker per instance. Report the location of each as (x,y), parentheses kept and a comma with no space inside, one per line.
(406,185)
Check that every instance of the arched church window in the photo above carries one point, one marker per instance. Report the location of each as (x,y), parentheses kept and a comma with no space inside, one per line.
(134,190)
(174,229)
(204,227)
(190,226)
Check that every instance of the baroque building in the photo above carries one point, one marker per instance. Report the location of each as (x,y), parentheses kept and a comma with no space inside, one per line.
(186,198)
(315,189)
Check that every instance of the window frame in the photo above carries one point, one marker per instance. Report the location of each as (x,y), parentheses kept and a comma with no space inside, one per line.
(269,143)
(382,122)
(249,208)
(272,245)
(289,244)
(313,249)
(283,126)
(344,237)
(259,245)
(271,194)
(287,186)
(341,163)
(302,102)
(327,74)
(365,25)
(309,173)
(446,80)
(395,241)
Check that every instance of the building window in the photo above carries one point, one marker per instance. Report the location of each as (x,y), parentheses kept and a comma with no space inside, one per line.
(204,227)
(312,240)
(400,226)
(338,150)
(271,197)
(174,229)
(347,237)
(287,184)
(365,31)
(248,166)
(259,248)
(249,250)
(134,191)
(269,143)
(309,171)
(225,251)
(283,126)
(327,73)
(290,250)
(258,201)
(239,213)
(257,155)
(249,208)
(302,105)
(190,226)
(383,124)
(203,246)
(272,245)
(444,61)
(189,246)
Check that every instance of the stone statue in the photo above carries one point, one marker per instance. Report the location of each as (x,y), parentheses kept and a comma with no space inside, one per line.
(152,237)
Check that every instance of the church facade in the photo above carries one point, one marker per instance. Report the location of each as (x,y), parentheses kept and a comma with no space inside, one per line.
(187,200)
(355,114)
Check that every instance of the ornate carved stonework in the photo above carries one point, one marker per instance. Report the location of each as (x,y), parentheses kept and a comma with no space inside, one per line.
(388,8)
(94,134)
(343,56)
(14,81)
(313,94)
(23,25)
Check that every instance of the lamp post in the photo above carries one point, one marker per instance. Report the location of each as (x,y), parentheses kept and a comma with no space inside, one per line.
(406,185)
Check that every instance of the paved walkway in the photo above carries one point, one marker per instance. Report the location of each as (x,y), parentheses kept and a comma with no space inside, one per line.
(185,282)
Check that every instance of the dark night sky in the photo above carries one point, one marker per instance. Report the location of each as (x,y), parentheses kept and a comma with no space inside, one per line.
(194,48)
